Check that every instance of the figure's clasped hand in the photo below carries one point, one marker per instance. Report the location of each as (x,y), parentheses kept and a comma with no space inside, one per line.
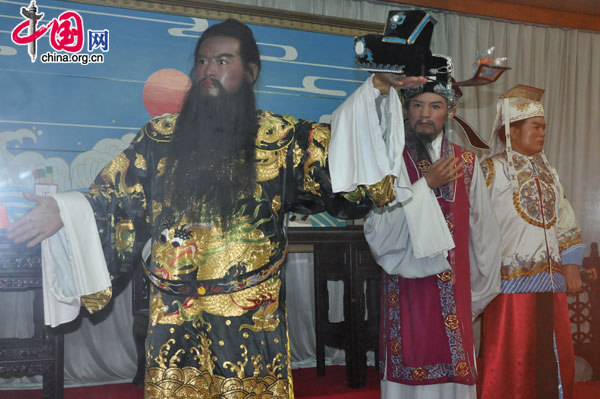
(443,171)
(40,223)
(382,81)
(573,278)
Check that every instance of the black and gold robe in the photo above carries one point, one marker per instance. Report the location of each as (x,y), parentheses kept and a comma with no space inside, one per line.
(217,314)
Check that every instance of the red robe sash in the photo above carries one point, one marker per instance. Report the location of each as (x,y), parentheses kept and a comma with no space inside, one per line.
(426,327)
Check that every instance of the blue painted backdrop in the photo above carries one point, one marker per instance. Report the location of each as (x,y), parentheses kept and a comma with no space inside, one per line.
(74,118)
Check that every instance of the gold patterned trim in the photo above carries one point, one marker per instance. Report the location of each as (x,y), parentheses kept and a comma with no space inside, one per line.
(490,175)
(249,14)
(276,203)
(160,167)
(445,276)
(451,322)
(355,196)
(569,243)
(196,383)
(393,299)
(125,237)
(382,192)
(424,165)
(97,301)
(396,347)
(462,369)
(161,129)
(420,374)
(468,157)
(510,272)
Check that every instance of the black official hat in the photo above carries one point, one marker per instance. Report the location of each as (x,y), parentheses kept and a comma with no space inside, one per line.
(438,71)
(403,48)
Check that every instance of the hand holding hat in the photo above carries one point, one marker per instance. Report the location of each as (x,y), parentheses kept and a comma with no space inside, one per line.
(383,81)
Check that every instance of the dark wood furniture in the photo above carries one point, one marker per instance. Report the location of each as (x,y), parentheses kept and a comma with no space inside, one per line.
(340,254)
(42,354)
(585,313)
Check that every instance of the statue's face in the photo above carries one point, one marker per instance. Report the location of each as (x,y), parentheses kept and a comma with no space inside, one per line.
(219,59)
(528,139)
(427,114)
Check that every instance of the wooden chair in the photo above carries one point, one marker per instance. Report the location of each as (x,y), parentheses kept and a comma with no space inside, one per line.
(42,354)
(342,254)
(585,313)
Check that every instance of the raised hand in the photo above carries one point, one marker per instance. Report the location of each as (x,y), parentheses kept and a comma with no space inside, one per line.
(40,223)
(443,171)
(384,80)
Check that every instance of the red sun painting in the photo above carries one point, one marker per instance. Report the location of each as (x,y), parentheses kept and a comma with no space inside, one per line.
(164,91)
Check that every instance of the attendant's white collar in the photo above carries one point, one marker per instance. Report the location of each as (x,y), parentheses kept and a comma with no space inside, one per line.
(435,148)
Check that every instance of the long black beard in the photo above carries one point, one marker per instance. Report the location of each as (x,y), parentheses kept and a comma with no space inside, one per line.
(211,160)
(420,142)
(425,138)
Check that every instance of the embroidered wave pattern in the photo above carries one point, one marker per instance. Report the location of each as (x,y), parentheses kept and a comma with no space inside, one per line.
(524,276)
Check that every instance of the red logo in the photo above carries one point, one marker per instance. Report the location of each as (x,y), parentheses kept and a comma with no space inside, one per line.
(66,33)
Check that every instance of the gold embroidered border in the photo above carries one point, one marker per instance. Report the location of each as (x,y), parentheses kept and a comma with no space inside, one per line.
(527,218)
(125,237)
(451,321)
(97,301)
(395,347)
(526,272)
(468,157)
(490,175)
(382,192)
(173,381)
(355,196)
(161,129)
(462,369)
(420,374)
(445,276)
(569,243)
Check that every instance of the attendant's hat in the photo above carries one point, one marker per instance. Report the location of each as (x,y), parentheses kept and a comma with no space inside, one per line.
(403,48)
(519,103)
(523,103)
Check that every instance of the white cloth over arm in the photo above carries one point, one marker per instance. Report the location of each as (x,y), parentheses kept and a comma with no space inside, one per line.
(411,240)
(387,232)
(73,263)
(366,148)
(485,253)
(362,151)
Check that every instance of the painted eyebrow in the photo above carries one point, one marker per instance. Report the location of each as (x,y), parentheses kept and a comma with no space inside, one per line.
(433,102)
(226,55)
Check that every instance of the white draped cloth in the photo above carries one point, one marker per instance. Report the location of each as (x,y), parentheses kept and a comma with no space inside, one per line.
(367,143)
(73,263)
(363,151)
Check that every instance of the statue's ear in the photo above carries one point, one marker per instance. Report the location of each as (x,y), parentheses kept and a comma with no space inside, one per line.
(251,72)
(451,113)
